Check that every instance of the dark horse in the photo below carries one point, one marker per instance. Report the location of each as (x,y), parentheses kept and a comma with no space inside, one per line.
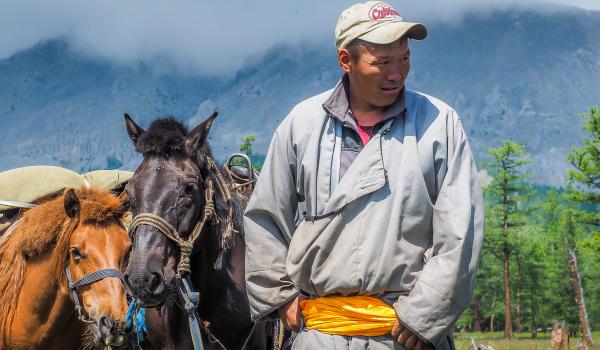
(172,183)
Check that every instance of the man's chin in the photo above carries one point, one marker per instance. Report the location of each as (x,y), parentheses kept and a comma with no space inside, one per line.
(386,102)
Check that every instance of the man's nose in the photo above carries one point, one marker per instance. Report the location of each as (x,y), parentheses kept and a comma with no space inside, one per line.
(394,74)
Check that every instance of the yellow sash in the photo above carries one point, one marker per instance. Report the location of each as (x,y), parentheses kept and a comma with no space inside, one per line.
(350,316)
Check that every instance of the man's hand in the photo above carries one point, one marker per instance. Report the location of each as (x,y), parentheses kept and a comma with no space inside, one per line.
(407,338)
(291,314)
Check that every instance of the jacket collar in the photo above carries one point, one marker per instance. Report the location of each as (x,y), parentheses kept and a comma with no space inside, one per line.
(337,105)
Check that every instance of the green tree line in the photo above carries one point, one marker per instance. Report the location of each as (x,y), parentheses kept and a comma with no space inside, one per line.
(541,255)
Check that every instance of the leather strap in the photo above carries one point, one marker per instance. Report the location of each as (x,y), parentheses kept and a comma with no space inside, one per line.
(85,280)
(96,276)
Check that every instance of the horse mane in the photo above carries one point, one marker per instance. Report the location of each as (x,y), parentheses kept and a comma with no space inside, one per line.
(41,229)
(165,138)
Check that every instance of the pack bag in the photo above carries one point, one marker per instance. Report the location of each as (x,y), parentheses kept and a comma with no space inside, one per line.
(22,187)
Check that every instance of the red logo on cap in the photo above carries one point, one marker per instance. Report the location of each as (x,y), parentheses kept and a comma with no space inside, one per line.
(381,11)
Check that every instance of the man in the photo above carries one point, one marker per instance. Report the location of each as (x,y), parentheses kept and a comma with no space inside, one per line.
(366,224)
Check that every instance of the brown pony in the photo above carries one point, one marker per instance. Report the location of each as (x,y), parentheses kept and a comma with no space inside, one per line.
(82,230)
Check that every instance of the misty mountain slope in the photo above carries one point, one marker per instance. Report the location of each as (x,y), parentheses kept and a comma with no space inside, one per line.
(511,74)
(61,108)
(522,76)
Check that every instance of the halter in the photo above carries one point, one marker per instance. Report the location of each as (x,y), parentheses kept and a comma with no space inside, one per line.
(86,280)
(190,297)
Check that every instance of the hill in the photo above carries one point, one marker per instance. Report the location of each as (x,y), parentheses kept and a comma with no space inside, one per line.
(512,74)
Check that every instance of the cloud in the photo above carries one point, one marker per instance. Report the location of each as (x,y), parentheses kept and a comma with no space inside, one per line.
(204,37)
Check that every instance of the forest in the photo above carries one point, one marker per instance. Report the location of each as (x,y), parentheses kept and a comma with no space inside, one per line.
(540,264)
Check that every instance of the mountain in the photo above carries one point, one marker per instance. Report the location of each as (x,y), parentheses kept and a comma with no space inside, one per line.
(512,74)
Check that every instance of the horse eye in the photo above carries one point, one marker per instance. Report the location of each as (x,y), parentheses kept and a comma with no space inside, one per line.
(76,254)
(189,189)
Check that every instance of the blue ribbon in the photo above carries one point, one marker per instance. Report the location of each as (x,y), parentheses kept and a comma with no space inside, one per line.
(140,322)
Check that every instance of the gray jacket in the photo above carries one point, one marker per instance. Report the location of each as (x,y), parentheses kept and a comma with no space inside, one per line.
(404,223)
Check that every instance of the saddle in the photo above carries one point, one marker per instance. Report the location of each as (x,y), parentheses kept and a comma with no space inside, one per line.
(23,188)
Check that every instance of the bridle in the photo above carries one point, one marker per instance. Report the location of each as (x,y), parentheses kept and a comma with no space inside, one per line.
(192,298)
(88,279)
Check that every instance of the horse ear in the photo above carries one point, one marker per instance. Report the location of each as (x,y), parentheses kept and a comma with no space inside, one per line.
(71,204)
(124,198)
(197,137)
(134,130)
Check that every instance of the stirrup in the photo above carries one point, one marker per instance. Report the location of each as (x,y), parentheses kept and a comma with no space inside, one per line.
(244,174)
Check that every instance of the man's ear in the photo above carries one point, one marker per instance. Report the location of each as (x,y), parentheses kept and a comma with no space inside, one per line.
(134,130)
(71,204)
(197,137)
(344,60)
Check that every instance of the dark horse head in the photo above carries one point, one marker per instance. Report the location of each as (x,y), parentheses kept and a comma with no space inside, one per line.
(169,183)
(172,183)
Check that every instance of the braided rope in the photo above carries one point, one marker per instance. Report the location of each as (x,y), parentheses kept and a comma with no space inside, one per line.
(240,182)
(223,189)
(229,230)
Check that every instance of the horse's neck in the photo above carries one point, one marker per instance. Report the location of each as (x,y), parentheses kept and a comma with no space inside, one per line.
(167,328)
(215,272)
(44,309)
(223,301)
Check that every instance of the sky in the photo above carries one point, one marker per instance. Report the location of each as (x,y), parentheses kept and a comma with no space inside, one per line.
(213,38)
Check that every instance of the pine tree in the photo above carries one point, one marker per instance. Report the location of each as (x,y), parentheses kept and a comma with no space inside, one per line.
(246,145)
(508,188)
(585,190)
(586,173)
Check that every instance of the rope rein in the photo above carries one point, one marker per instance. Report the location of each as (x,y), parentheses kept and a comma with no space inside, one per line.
(239,181)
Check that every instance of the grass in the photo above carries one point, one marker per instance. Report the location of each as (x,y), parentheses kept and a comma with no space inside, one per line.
(522,341)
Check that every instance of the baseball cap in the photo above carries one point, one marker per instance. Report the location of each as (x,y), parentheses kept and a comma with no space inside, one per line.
(376,22)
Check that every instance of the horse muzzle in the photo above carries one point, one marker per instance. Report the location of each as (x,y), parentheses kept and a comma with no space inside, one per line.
(147,287)
(112,333)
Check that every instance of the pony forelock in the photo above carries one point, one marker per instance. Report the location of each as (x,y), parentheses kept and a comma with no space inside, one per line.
(164,138)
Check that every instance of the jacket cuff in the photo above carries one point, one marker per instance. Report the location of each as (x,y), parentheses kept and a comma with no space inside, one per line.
(266,295)
(427,313)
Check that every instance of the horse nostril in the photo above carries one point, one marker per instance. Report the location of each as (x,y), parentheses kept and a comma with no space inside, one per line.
(105,322)
(145,284)
(153,282)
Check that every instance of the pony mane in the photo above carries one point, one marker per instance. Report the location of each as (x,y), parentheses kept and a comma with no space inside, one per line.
(47,228)
(164,138)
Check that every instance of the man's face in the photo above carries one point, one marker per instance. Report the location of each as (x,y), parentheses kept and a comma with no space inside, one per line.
(376,74)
